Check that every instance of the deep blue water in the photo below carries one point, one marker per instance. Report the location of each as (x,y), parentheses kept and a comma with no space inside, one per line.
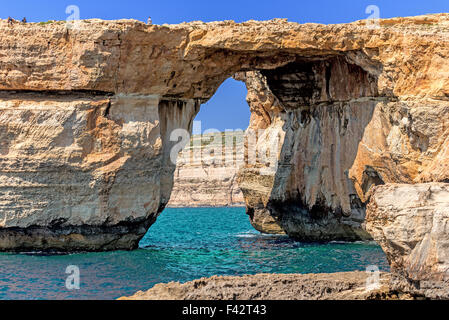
(184,244)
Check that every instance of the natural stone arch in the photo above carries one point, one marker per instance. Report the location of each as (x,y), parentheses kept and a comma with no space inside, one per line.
(282,99)
(101,99)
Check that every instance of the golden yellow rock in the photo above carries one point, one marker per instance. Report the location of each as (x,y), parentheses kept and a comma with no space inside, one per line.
(86,116)
(322,286)
(410,222)
(208,181)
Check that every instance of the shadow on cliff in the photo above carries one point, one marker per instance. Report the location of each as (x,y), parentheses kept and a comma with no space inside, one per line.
(327,104)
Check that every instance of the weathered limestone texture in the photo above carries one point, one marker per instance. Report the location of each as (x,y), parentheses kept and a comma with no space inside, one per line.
(86,115)
(209,181)
(322,286)
(410,222)
(81,171)
(310,195)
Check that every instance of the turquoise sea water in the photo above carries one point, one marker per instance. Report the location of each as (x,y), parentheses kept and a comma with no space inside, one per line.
(184,244)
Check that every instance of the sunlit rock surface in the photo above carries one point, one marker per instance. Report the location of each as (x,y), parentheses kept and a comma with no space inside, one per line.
(76,169)
(86,115)
(321,286)
(206,172)
(410,222)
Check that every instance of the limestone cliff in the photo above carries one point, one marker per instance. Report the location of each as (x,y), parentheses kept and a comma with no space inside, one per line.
(77,170)
(410,222)
(86,116)
(203,182)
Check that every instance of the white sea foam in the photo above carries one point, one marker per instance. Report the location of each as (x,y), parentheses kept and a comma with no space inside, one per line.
(254,234)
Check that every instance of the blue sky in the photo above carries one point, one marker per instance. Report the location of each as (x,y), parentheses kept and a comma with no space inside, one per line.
(227,109)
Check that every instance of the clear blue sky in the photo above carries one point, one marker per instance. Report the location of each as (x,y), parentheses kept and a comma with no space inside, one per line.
(227,109)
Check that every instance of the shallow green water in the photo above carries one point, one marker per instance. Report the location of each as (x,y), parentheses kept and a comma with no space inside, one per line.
(184,244)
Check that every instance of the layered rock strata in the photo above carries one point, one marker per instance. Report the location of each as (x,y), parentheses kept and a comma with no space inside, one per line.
(410,222)
(81,171)
(87,113)
(309,194)
(209,180)
(334,286)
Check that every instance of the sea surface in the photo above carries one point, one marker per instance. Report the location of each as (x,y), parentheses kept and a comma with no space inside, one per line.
(184,244)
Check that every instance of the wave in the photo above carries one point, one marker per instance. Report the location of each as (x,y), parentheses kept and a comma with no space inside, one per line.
(366,242)
(256,234)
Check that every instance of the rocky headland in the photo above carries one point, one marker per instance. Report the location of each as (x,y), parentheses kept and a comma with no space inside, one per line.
(351,119)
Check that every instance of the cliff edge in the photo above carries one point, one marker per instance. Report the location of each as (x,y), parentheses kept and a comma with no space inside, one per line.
(209,181)
(87,113)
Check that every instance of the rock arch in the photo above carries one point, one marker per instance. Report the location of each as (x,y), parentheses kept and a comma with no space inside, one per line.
(85,116)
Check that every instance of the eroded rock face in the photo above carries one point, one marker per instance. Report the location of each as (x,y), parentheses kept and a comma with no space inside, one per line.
(86,115)
(322,286)
(410,222)
(82,171)
(341,133)
(333,152)
(208,180)
(320,122)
